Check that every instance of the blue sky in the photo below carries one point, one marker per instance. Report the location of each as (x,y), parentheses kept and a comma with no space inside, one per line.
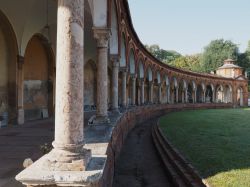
(187,26)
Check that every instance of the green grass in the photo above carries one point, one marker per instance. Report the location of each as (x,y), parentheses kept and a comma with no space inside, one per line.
(217,142)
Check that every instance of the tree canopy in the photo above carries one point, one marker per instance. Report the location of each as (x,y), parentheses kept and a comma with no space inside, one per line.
(216,52)
(165,56)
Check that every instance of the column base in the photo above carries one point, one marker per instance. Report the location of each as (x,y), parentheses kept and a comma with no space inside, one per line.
(115,112)
(20,117)
(100,120)
(67,160)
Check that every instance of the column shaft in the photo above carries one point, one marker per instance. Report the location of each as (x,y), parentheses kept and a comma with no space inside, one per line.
(20,112)
(102,36)
(142,92)
(159,93)
(124,89)
(69,120)
(115,74)
(133,90)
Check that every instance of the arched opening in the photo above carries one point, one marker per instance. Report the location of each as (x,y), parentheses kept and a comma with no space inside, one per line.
(132,77)
(114,30)
(38,79)
(174,90)
(90,84)
(190,93)
(147,90)
(8,71)
(140,83)
(209,94)
(240,97)
(123,51)
(182,91)
(228,94)
(199,94)
(219,94)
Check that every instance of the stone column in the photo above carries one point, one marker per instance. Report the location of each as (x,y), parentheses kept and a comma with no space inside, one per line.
(142,91)
(159,93)
(124,88)
(115,78)
(133,78)
(102,36)
(204,97)
(68,153)
(195,96)
(20,112)
(151,91)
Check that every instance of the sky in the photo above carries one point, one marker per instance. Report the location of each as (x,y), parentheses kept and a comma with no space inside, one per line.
(187,26)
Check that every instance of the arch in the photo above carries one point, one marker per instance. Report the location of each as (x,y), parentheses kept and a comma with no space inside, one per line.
(190,93)
(8,68)
(140,70)
(219,94)
(123,61)
(158,77)
(38,79)
(132,61)
(199,94)
(228,94)
(174,90)
(182,91)
(240,101)
(149,74)
(209,98)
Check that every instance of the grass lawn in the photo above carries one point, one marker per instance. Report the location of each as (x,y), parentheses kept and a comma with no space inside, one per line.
(217,142)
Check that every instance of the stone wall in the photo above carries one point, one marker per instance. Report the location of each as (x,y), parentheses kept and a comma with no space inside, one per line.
(136,116)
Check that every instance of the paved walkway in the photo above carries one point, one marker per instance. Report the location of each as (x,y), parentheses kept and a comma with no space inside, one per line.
(139,164)
(18,143)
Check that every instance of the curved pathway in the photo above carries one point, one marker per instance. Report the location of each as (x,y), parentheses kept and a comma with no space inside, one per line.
(139,164)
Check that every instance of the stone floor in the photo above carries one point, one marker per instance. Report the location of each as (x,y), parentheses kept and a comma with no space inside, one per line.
(18,143)
(139,165)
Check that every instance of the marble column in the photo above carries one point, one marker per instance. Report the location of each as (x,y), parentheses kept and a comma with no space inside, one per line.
(151,91)
(102,36)
(133,78)
(142,92)
(213,96)
(124,88)
(20,112)
(159,93)
(68,153)
(115,78)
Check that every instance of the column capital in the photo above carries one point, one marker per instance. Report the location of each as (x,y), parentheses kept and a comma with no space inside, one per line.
(115,59)
(102,36)
(20,61)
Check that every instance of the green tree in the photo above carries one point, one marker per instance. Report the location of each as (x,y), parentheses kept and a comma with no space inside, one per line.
(189,62)
(165,56)
(216,52)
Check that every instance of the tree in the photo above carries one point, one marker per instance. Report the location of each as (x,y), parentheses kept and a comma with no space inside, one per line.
(216,52)
(189,62)
(161,54)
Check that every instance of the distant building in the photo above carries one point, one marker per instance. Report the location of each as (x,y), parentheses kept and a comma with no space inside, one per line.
(230,70)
